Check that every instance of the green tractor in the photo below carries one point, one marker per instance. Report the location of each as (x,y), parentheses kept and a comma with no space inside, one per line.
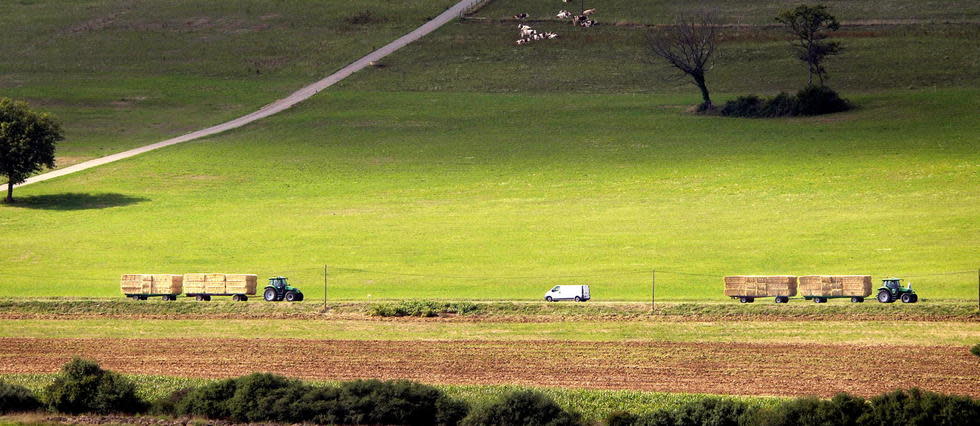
(891,290)
(279,290)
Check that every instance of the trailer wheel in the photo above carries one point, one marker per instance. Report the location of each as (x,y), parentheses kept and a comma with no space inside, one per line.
(549,299)
(743,299)
(578,299)
(907,298)
(782,299)
(237,298)
(885,297)
(857,299)
(199,298)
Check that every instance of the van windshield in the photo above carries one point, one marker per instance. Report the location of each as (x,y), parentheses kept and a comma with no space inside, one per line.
(555,289)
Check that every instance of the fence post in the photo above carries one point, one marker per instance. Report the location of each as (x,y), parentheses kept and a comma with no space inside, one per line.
(324,288)
(653,291)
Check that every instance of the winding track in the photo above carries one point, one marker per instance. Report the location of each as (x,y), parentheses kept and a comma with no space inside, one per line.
(278,106)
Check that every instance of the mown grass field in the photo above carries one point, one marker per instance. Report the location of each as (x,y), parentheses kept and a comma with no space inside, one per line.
(593,404)
(822,332)
(496,196)
(470,169)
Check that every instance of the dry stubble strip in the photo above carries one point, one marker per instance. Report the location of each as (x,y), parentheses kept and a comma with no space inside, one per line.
(719,368)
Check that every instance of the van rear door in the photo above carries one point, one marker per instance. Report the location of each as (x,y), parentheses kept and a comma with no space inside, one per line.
(585,293)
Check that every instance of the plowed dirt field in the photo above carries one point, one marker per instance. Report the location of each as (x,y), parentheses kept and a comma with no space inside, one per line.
(720,368)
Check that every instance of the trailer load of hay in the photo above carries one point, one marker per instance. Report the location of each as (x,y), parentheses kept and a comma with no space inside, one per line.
(151,284)
(220,283)
(760,286)
(835,285)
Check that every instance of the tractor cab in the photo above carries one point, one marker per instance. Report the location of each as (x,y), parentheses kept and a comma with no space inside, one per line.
(279,289)
(891,290)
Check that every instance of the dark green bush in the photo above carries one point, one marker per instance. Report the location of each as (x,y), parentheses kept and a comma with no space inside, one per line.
(918,407)
(269,398)
(209,401)
(975,349)
(422,308)
(14,398)
(523,408)
(397,402)
(84,387)
(167,406)
(782,105)
(812,100)
(817,100)
(743,106)
(842,409)
(709,411)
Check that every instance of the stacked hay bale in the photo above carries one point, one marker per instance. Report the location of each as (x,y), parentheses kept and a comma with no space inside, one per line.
(220,283)
(835,285)
(241,283)
(151,284)
(760,285)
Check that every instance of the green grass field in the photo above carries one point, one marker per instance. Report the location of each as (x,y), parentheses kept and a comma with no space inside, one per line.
(470,169)
(824,332)
(501,196)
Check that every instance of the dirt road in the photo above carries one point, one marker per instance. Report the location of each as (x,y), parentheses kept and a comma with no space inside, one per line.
(719,368)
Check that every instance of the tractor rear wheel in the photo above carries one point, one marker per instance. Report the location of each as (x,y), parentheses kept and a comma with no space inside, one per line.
(907,298)
(885,297)
(269,295)
(290,296)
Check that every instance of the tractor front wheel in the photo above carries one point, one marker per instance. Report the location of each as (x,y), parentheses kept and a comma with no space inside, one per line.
(885,297)
(290,296)
(269,295)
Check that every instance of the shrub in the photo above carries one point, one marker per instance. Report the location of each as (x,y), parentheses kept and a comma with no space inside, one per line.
(523,408)
(167,406)
(782,105)
(397,402)
(743,106)
(209,401)
(17,398)
(817,100)
(812,100)
(422,308)
(975,349)
(918,407)
(621,418)
(263,397)
(709,411)
(84,387)
(842,409)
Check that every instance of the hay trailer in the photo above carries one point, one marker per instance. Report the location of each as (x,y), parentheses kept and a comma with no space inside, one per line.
(820,288)
(747,288)
(145,286)
(204,286)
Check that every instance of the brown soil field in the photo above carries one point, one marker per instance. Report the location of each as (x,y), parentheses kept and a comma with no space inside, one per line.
(717,368)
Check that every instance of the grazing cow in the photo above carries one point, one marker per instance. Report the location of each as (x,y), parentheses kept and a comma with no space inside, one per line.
(551,35)
(521,41)
(564,14)
(520,16)
(579,19)
(588,12)
(588,23)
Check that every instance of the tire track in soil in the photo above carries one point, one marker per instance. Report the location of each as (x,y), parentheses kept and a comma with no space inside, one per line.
(717,368)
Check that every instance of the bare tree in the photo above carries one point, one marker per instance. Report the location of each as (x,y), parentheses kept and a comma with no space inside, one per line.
(688,46)
(809,25)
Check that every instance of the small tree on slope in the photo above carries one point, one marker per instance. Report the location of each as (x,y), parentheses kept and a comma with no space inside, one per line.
(27,142)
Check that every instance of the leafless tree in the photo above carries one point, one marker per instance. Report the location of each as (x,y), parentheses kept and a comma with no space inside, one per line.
(688,46)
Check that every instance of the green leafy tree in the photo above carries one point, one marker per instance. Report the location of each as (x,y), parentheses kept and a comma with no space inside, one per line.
(27,142)
(809,25)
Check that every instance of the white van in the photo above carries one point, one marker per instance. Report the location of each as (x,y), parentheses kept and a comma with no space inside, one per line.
(578,293)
